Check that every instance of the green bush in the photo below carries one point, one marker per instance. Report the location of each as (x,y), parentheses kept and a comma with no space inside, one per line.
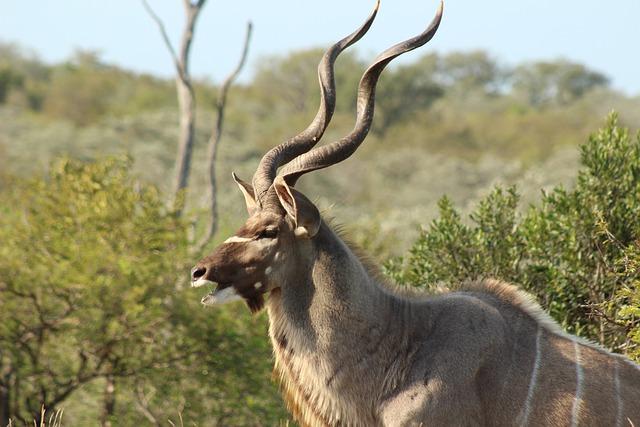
(94,317)
(577,252)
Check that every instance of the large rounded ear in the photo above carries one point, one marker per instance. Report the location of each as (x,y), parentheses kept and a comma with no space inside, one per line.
(247,192)
(305,215)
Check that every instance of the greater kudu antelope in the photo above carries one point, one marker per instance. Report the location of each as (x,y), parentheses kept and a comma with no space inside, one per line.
(351,351)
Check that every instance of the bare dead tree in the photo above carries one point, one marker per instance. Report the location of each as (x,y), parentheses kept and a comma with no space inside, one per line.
(185,93)
(187,103)
(214,140)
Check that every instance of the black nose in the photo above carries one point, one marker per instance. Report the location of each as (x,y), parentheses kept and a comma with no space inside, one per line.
(197,272)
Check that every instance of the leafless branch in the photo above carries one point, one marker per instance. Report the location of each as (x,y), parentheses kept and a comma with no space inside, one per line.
(185,94)
(192,12)
(595,310)
(216,134)
(142,402)
(163,33)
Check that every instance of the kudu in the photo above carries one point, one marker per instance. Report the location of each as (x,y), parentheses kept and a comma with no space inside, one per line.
(349,350)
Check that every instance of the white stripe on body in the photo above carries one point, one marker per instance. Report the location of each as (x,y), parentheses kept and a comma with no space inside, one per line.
(619,402)
(534,379)
(575,412)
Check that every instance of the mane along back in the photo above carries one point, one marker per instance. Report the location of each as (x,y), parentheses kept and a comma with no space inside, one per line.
(525,302)
(516,297)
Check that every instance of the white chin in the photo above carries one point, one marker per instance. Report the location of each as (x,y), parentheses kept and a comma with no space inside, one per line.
(201,282)
(221,297)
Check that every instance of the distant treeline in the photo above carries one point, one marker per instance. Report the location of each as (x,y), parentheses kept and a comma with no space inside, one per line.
(455,96)
(84,88)
(431,115)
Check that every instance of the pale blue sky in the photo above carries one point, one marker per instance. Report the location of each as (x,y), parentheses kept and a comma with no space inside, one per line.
(605,35)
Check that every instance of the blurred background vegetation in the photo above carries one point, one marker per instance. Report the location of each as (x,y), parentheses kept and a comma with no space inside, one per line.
(96,314)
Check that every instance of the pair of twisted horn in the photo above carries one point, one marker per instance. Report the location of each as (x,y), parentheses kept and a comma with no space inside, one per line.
(298,153)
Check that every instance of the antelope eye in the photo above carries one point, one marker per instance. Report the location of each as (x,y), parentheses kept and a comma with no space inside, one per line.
(268,233)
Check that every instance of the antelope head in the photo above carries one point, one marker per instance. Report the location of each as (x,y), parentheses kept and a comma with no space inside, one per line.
(276,242)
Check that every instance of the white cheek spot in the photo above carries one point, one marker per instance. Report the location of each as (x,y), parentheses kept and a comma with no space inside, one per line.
(236,239)
(301,232)
(277,256)
(258,285)
(268,270)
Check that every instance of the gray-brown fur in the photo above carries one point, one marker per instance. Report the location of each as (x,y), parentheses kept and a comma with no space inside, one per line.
(462,358)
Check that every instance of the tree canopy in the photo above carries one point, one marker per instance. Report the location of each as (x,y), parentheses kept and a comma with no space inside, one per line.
(92,278)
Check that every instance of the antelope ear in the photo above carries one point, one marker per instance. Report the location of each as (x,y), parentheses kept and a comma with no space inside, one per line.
(305,215)
(247,192)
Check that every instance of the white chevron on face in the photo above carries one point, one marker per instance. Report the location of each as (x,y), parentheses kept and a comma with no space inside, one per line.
(237,239)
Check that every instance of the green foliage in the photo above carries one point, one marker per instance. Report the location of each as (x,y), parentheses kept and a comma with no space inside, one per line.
(80,93)
(80,254)
(627,298)
(577,251)
(291,82)
(470,71)
(559,82)
(90,290)
(451,250)
(404,91)
(22,77)
(82,90)
(8,79)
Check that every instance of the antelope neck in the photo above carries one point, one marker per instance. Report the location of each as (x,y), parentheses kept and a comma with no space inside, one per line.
(334,303)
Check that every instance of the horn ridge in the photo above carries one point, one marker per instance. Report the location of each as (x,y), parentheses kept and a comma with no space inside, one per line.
(335,152)
(308,138)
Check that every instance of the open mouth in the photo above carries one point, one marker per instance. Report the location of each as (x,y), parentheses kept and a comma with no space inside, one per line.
(221,293)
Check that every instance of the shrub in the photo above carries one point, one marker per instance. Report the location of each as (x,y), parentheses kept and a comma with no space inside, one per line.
(92,266)
(577,252)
